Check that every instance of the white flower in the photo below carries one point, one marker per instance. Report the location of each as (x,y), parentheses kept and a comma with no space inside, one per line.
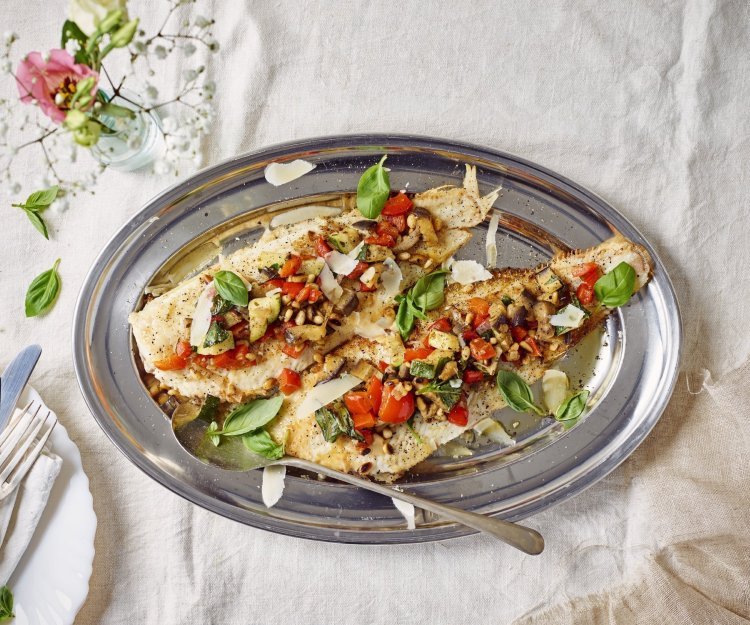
(189,49)
(71,46)
(209,87)
(202,22)
(88,13)
(190,74)
(161,167)
(160,52)
(139,47)
(9,37)
(213,45)
(152,92)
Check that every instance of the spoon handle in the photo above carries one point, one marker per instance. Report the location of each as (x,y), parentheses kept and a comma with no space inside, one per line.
(526,539)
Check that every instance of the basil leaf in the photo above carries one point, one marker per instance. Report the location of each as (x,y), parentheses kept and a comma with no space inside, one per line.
(37,222)
(39,200)
(516,392)
(335,420)
(572,408)
(507,300)
(445,392)
(420,369)
(43,291)
(6,604)
(215,335)
(219,305)
(404,317)
(231,287)
(615,288)
(373,190)
(261,443)
(429,291)
(363,252)
(213,427)
(251,416)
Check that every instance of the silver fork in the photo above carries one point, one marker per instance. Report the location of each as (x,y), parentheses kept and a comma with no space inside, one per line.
(21,443)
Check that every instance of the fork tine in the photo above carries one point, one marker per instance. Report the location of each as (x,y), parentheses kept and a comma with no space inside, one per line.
(31,457)
(18,432)
(12,423)
(22,449)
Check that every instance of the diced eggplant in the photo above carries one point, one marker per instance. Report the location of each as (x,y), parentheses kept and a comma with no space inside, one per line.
(312,266)
(409,241)
(366,224)
(231,318)
(363,370)
(347,303)
(308,332)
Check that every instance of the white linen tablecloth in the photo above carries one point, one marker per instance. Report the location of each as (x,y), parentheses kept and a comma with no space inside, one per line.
(644,102)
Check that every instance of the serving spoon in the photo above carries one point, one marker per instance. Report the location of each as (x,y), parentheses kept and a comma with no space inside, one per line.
(232,455)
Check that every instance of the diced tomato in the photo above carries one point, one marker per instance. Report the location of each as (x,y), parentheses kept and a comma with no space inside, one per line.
(479,306)
(534,346)
(386,227)
(289,381)
(183,349)
(375,392)
(276,283)
(398,221)
(472,376)
(585,293)
(218,318)
(383,365)
(384,240)
(367,435)
(314,296)
(442,324)
(589,273)
(363,420)
(171,363)
(366,289)
(469,335)
(239,329)
(291,266)
(294,351)
(358,402)
(417,353)
(322,247)
(292,289)
(303,294)
(479,320)
(481,349)
(393,410)
(532,325)
(358,270)
(519,333)
(233,358)
(397,205)
(458,415)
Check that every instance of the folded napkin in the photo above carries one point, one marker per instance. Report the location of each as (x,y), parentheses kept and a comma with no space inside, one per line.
(21,510)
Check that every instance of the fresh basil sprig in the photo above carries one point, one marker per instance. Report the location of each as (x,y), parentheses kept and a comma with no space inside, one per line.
(572,408)
(427,294)
(516,392)
(35,204)
(250,416)
(335,420)
(261,443)
(373,190)
(444,391)
(43,291)
(6,604)
(231,287)
(615,288)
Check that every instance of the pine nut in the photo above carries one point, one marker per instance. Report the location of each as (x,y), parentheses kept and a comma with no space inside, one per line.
(300,318)
(288,314)
(469,318)
(404,256)
(318,357)
(421,406)
(387,433)
(318,320)
(493,340)
(411,221)
(269,384)
(285,299)
(428,263)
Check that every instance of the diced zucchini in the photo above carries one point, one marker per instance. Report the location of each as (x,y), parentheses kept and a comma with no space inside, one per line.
(444,340)
(267,259)
(232,317)
(548,280)
(260,312)
(307,332)
(376,253)
(217,348)
(422,369)
(312,266)
(344,241)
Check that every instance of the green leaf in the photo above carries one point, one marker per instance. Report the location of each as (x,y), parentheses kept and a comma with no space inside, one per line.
(251,416)
(363,252)
(404,317)
(516,392)
(37,221)
(373,190)
(261,443)
(215,335)
(6,604)
(572,408)
(212,436)
(115,110)
(71,30)
(429,291)
(414,433)
(43,291)
(335,420)
(420,369)
(231,287)
(507,300)
(615,288)
(445,392)
(219,305)
(39,200)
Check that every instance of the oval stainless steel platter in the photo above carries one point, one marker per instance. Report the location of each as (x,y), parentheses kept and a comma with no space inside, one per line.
(631,367)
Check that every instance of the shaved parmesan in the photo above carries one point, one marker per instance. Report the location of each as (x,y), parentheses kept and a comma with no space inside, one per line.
(341,264)
(273,484)
(368,275)
(407,510)
(328,284)
(570,317)
(391,277)
(491,244)
(306,358)
(368,329)
(325,393)
(355,252)
(468,271)
(202,315)
(554,389)
(494,431)
(303,213)
(282,173)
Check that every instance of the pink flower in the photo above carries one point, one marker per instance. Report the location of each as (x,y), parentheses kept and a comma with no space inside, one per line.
(52,83)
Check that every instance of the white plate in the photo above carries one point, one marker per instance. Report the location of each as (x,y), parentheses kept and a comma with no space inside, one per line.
(51,581)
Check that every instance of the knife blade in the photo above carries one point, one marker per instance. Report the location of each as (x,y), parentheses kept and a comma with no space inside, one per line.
(14,380)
